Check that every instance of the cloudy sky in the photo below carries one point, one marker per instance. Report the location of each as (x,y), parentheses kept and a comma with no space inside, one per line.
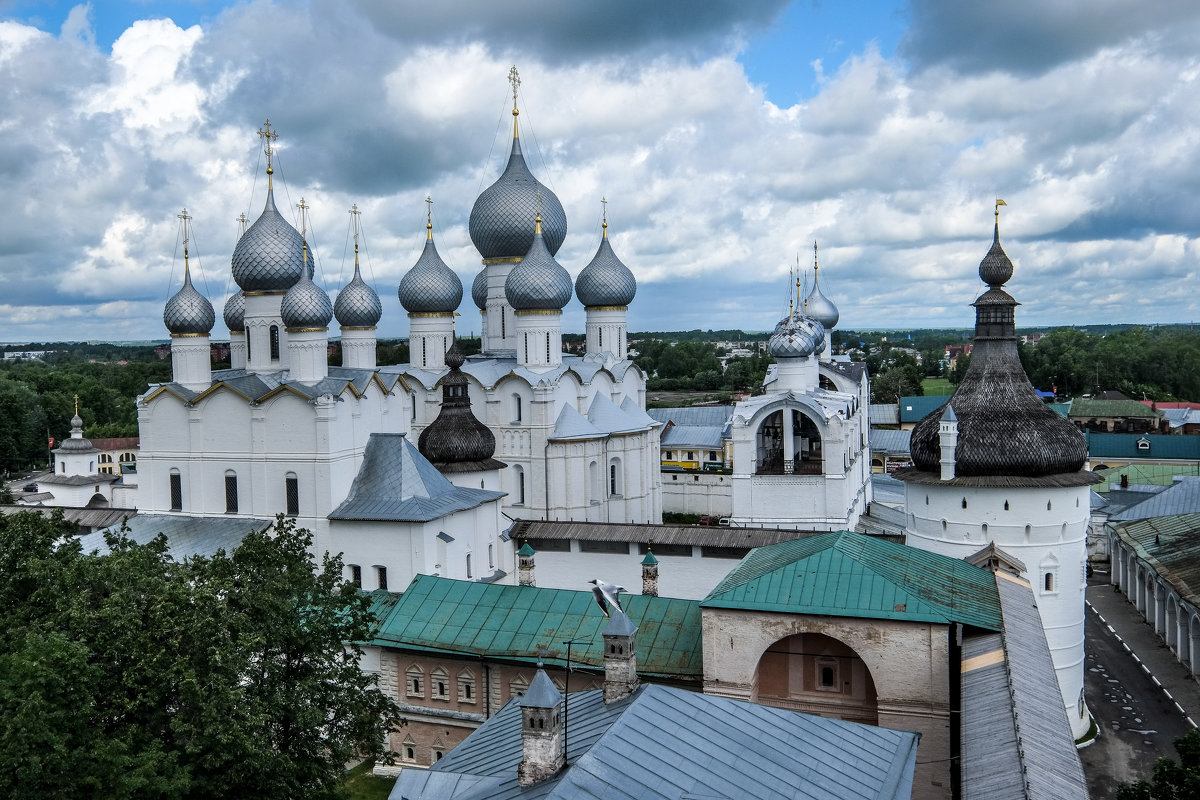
(726,135)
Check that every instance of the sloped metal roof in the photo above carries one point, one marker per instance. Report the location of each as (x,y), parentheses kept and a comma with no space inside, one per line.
(916,408)
(1015,744)
(1171,545)
(186,536)
(638,749)
(848,574)
(1153,474)
(717,416)
(1182,497)
(883,414)
(1088,407)
(1125,445)
(514,622)
(573,425)
(889,441)
(699,436)
(714,535)
(604,414)
(396,483)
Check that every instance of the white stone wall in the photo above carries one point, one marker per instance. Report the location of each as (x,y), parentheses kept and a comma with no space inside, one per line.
(697,493)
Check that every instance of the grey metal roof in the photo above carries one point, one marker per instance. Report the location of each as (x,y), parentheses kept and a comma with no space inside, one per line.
(883,414)
(820,307)
(306,305)
(235,312)
(430,287)
(501,224)
(538,282)
(268,256)
(1182,497)
(605,415)
(479,289)
(541,693)
(1015,743)
(798,337)
(886,489)
(605,281)
(889,441)
(713,536)
(573,425)
(357,305)
(188,311)
(396,483)
(84,517)
(1171,546)
(58,479)
(703,437)
(186,536)
(638,749)
(694,415)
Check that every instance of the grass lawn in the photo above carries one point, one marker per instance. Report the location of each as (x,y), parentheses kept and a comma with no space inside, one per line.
(937,386)
(362,785)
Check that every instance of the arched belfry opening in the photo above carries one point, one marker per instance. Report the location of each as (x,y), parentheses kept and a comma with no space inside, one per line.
(789,443)
(816,674)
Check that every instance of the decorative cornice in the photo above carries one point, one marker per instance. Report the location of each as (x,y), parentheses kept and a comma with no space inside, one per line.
(538,312)
(413,314)
(264,292)
(357,328)
(188,335)
(306,330)
(606,308)
(504,260)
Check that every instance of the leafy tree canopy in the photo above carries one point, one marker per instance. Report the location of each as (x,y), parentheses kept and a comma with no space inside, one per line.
(132,675)
(1173,780)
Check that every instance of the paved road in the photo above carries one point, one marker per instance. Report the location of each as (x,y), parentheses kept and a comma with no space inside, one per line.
(1137,721)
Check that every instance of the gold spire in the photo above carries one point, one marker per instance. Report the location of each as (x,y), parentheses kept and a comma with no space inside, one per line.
(604,224)
(814,262)
(268,136)
(354,214)
(429,217)
(515,79)
(183,215)
(77,405)
(537,229)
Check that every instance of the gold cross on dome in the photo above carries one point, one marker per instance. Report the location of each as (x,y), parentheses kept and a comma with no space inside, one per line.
(515,79)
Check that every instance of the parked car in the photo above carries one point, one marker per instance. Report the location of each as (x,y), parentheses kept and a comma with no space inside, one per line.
(29,487)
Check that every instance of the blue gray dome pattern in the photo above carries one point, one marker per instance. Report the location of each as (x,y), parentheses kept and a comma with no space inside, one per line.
(539,282)
(268,257)
(430,287)
(820,307)
(306,305)
(188,311)
(479,290)
(801,337)
(235,312)
(605,281)
(357,305)
(501,224)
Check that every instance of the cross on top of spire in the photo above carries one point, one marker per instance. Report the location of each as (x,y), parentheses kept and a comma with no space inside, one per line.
(268,136)
(515,79)
(604,223)
(354,215)
(183,215)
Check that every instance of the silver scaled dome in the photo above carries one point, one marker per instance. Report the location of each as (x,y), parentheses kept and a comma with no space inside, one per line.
(357,305)
(430,287)
(77,442)
(188,311)
(500,219)
(235,312)
(801,337)
(538,282)
(479,290)
(269,256)
(819,307)
(605,281)
(306,305)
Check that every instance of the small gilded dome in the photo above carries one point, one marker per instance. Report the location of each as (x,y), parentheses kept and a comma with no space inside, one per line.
(357,306)
(538,282)
(235,312)
(188,311)
(430,287)
(479,290)
(306,305)
(996,268)
(605,281)
(269,256)
(501,224)
(801,337)
(820,307)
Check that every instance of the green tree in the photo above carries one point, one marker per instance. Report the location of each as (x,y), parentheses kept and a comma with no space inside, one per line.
(131,675)
(897,382)
(1173,780)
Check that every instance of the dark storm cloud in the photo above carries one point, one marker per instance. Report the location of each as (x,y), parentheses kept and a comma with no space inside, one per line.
(1032,36)
(555,32)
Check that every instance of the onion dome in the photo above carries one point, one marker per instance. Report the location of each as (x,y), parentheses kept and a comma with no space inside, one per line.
(235,312)
(357,306)
(430,287)
(500,219)
(996,268)
(76,443)
(1004,428)
(605,281)
(800,338)
(538,282)
(269,256)
(188,312)
(479,290)
(305,305)
(457,441)
(819,307)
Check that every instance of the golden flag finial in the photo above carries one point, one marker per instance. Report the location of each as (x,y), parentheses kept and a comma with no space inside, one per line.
(999,203)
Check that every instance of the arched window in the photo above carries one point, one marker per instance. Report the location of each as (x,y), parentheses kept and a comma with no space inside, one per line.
(274,334)
(291,490)
(231,492)
(413,397)
(1048,582)
(519,479)
(414,683)
(176,481)
(469,575)
(614,477)
(516,398)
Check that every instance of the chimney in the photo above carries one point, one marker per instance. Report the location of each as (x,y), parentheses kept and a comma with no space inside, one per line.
(620,657)
(650,574)
(525,565)
(541,731)
(948,437)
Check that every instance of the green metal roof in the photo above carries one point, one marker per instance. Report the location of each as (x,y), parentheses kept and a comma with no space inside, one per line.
(1125,445)
(1062,409)
(1087,407)
(1145,474)
(914,408)
(848,574)
(473,619)
(1171,545)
